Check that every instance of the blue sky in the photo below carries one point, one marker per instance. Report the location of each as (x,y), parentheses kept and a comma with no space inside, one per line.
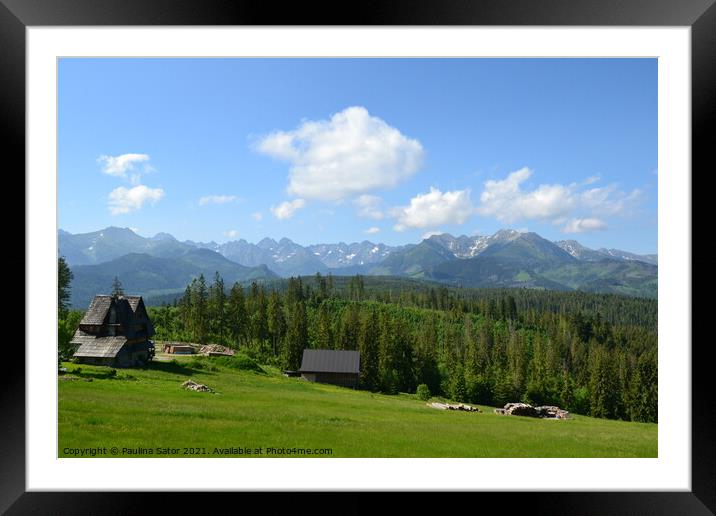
(389,150)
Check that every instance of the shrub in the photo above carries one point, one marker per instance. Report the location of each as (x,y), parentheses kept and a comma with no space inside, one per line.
(423,392)
(112,373)
(238,361)
(580,402)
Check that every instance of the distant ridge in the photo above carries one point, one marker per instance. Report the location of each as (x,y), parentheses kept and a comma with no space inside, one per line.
(506,258)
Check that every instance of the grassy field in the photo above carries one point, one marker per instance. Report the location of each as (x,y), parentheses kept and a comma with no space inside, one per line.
(147,409)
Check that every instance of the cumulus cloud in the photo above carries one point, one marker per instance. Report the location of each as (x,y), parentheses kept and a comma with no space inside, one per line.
(287,209)
(257,216)
(582,225)
(216,199)
(124,200)
(119,165)
(609,200)
(369,206)
(430,234)
(372,230)
(508,201)
(232,233)
(434,208)
(350,154)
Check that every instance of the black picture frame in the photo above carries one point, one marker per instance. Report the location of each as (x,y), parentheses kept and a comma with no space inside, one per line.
(16,15)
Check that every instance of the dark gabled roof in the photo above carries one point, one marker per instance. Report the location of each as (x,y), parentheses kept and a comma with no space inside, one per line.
(98,347)
(330,361)
(97,310)
(133,301)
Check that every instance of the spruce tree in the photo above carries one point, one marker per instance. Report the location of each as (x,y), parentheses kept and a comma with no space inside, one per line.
(368,347)
(276,321)
(296,337)
(236,315)
(64,278)
(324,331)
(117,289)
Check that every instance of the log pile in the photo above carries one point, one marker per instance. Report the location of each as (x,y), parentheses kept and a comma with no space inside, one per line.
(459,406)
(523,409)
(193,386)
(216,350)
(552,412)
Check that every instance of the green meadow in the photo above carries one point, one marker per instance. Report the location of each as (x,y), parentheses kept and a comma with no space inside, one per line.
(135,410)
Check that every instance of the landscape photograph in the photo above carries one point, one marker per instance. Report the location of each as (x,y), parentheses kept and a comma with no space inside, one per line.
(357,257)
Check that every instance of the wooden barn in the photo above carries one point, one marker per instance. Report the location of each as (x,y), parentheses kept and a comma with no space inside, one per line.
(331,366)
(115,331)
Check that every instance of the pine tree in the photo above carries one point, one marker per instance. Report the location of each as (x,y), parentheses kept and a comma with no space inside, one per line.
(64,278)
(276,321)
(368,347)
(350,327)
(199,310)
(236,315)
(426,364)
(458,389)
(644,389)
(296,337)
(324,331)
(117,289)
(217,307)
(602,385)
(259,318)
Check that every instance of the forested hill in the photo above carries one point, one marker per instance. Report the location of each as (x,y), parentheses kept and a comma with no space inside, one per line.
(613,308)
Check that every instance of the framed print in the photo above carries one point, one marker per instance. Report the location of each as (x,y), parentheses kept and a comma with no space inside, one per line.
(417,253)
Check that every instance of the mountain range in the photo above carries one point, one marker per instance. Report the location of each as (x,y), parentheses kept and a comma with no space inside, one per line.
(162,264)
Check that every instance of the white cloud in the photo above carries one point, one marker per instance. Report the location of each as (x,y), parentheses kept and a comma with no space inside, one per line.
(348,155)
(507,201)
(232,233)
(610,201)
(372,230)
(582,225)
(119,165)
(286,210)
(123,200)
(369,206)
(257,216)
(431,233)
(135,230)
(216,199)
(434,209)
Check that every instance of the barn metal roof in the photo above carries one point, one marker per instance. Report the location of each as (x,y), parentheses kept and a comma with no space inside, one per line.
(330,361)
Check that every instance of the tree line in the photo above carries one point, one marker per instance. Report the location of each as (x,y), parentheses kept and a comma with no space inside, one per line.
(489,347)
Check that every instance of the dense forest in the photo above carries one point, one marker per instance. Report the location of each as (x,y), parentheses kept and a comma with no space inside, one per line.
(591,354)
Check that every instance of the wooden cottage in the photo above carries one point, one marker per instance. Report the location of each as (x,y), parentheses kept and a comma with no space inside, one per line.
(115,331)
(331,366)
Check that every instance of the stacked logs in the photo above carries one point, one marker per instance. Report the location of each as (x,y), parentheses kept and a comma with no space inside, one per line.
(459,406)
(523,409)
